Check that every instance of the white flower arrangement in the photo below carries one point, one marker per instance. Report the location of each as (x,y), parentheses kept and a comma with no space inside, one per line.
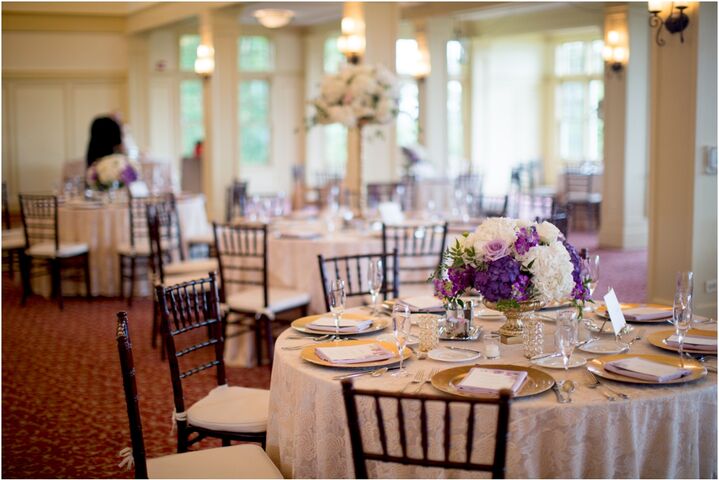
(111,171)
(357,95)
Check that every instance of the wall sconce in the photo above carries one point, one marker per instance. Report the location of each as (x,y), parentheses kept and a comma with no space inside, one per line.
(615,53)
(422,66)
(674,23)
(352,41)
(205,61)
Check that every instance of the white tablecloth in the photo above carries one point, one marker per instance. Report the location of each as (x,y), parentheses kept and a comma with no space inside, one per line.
(103,229)
(662,432)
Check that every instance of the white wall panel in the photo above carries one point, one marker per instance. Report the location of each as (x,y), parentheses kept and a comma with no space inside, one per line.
(162,118)
(88,102)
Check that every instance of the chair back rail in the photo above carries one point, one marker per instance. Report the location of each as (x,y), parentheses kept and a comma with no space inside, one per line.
(137,209)
(165,238)
(491,206)
(5,207)
(361,455)
(236,200)
(353,270)
(184,309)
(39,219)
(127,366)
(423,245)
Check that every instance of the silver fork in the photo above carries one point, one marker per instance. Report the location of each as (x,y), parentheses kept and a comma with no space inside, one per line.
(427,379)
(615,392)
(418,378)
(594,383)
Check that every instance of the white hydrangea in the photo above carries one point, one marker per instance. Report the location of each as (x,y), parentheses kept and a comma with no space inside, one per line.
(110,167)
(500,228)
(548,233)
(551,271)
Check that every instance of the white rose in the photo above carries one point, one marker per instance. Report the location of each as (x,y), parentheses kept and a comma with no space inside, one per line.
(333,89)
(551,272)
(548,233)
(384,112)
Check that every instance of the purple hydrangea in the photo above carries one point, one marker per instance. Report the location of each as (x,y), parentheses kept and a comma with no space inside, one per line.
(580,291)
(526,239)
(462,278)
(521,288)
(128,175)
(498,280)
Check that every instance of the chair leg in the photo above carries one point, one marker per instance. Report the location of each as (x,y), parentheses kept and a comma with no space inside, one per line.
(226,442)
(25,269)
(181,438)
(270,339)
(11,260)
(155,325)
(132,281)
(86,271)
(258,340)
(57,281)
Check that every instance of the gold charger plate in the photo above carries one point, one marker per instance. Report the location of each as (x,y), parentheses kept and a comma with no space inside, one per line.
(596,366)
(377,324)
(601,310)
(308,354)
(536,383)
(658,339)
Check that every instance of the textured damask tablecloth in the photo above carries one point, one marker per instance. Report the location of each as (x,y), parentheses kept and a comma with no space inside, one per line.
(662,432)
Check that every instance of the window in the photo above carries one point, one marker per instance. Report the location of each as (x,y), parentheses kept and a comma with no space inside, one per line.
(579,90)
(335,135)
(408,118)
(255,62)
(456,105)
(192,127)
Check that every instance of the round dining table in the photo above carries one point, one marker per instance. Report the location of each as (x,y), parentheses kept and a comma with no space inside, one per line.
(661,431)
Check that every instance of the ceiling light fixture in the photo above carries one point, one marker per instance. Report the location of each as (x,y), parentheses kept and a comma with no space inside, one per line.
(274,17)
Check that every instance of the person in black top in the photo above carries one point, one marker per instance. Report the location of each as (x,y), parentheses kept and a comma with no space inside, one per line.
(105,139)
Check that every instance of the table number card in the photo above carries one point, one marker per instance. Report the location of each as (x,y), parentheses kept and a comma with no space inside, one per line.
(615,311)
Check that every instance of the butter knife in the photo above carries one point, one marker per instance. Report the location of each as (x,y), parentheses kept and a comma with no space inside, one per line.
(450,347)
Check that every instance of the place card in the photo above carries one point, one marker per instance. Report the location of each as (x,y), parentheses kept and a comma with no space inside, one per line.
(615,312)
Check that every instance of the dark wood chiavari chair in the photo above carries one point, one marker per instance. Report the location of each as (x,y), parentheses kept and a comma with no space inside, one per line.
(238,461)
(389,192)
(419,247)
(490,206)
(40,224)
(243,262)
(579,195)
(13,239)
(135,254)
(353,270)
(229,413)
(235,200)
(361,455)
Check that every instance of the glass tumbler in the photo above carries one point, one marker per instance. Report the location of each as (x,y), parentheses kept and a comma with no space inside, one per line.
(491,345)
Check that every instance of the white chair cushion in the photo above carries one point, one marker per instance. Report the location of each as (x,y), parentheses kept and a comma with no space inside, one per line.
(142,248)
(237,461)
(583,197)
(231,409)
(280,299)
(204,265)
(13,239)
(205,239)
(185,277)
(65,250)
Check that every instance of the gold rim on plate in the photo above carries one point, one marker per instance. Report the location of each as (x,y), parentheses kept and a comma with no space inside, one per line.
(601,310)
(596,366)
(658,339)
(537,381)
(308,354)
(377,324)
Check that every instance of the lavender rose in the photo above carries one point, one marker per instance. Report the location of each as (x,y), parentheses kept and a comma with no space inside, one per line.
(495,249)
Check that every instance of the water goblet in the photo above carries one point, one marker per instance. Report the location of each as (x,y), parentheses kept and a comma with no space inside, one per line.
(590,274)
(401,324)
(565,336)
(337,298)
(682,312)
(375,276)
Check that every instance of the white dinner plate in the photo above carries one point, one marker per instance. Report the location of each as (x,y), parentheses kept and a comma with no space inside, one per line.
(556,362)
(389,337)
(447,355)
(604,346)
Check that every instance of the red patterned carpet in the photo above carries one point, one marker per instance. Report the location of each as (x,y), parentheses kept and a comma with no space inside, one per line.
(63,410)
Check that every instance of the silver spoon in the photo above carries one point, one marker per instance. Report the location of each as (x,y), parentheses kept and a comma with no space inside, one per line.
(558,389)
(568,387)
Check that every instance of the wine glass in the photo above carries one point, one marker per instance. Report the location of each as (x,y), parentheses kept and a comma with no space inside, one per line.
(682,313)
(590,274)
(337,299)
(565,336)
(375,276)
(401,324)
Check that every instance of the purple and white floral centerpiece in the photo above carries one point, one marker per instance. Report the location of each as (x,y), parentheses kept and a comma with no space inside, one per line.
(515,265)
(110,173)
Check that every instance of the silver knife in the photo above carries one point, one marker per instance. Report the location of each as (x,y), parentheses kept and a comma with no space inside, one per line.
(450,347)
(559,354)
(365,372)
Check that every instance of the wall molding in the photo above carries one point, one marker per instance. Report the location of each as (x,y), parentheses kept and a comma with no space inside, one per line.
(43,22)
(79,75)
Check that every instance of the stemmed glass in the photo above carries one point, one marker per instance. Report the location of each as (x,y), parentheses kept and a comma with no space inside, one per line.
(401,324)
(375,276)
(590,273)
(682,314)
(337,299)
(565,336)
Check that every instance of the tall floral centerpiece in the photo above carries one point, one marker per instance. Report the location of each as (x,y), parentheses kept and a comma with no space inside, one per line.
(357,96)
(516,265)
(110,173)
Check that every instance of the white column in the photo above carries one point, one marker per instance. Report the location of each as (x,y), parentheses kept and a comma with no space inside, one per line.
(624,222)
(220,163)
(379,152)
(682,198)
(434,112)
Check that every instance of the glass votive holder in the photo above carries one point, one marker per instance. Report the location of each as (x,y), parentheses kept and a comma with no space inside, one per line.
(428,332)
(491,345)
(533,336)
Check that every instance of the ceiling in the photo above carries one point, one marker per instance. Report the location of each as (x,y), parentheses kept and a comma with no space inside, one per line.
(77,8)
(306,13)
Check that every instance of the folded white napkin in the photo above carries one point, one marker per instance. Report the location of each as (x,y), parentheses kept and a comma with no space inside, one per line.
(327,324)
(300,234)
(487,380)
(368,352)
(696,343)
(644,369)
(642,314)
(424,303)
